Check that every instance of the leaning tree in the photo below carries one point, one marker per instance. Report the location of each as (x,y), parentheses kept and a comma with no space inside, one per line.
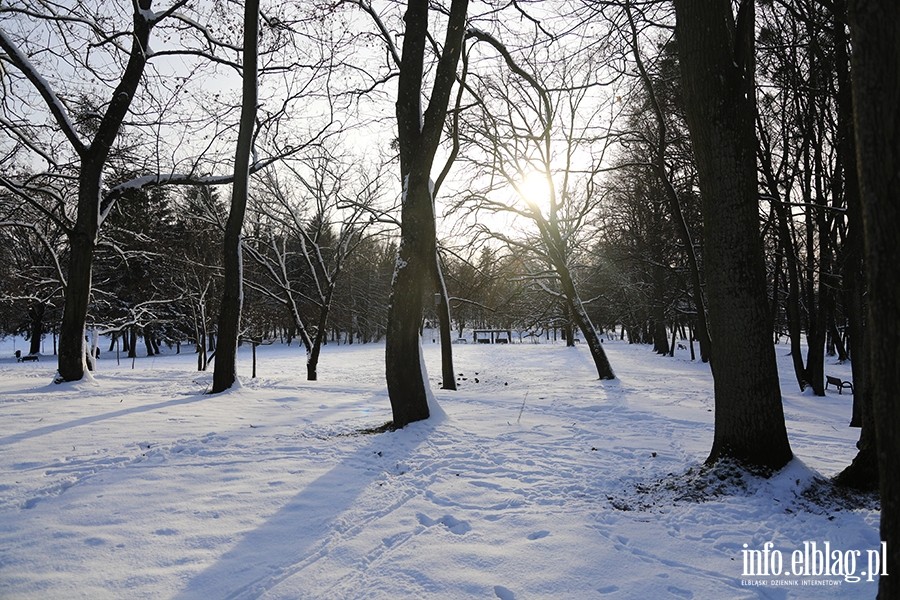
(536,146)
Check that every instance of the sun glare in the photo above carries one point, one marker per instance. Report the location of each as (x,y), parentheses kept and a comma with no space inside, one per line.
(534,189)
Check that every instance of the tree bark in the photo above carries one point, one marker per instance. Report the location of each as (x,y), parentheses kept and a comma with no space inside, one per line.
(875,31)
(82,241)
(448,378)
(83,236)
(225,371)
(419,136)
(36,315)
(862,473)
(717,66)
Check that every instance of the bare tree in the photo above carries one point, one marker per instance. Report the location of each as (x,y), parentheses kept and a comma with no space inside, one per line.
(717,65)
(229,323)
(299,254)
(418,135)
(875,30)
(163,125)
(91,156)
(521,137)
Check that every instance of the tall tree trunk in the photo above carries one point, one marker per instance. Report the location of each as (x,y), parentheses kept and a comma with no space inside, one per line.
(813,197)
(225,372)
(862,473)
(405,377)
(786,241)
(448,379)
(418,135)
(875,31)
(819,299)
(83,236)
(36,315)
(82,240)
(717,65)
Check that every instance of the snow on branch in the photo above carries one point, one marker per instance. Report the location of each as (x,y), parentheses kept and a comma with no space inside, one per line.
(24,192)
(45,90)
(186,179)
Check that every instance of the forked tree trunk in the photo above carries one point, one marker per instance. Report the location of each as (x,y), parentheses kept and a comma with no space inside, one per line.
(82,237)
(225,371)
(418,135)
(717,66)
(875,31)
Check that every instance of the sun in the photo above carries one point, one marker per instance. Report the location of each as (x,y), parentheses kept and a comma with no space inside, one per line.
(535,190)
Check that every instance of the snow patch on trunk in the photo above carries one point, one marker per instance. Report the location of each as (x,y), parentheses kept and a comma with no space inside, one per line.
(436,414)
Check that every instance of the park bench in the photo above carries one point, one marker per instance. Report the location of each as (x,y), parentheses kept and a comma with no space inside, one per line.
(26,358)
(492,336)
(840,385)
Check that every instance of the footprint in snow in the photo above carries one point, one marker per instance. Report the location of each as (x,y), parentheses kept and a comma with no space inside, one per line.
(453,524)
(503,593)
(676,591)
(608,589)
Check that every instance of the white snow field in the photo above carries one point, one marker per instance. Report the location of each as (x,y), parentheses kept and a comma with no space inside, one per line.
(540,482)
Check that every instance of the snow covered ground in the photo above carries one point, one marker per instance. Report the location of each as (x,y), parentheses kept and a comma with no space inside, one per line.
(541,482)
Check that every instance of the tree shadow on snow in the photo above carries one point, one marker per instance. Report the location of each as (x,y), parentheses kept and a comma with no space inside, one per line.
(18,437)
(304,529)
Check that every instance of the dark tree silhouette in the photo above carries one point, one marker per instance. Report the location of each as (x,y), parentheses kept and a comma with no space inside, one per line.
(418,135)
(229,329)
(717,66)
(875,30)
(92,156)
